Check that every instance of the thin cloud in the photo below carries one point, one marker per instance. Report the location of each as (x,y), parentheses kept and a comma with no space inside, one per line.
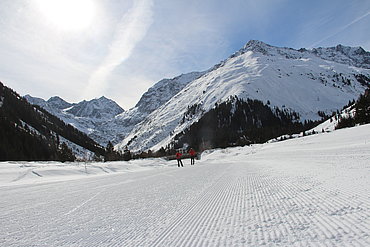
(341,29)
(129,32)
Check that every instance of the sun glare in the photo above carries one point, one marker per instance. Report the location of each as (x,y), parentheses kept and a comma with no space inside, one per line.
(68,14)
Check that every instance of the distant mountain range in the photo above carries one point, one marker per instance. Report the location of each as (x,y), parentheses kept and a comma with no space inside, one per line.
(103,119)
(29,132)
(90,117)
(298,85)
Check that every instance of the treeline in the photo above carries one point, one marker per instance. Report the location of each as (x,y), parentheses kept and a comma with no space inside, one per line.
(113,155)
(239,122)
(18,144)
(30,133)
(126,154)
(361,112)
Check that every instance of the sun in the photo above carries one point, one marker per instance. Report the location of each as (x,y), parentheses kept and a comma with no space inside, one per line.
(68,14)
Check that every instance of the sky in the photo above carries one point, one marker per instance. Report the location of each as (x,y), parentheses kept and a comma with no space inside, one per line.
(85,49)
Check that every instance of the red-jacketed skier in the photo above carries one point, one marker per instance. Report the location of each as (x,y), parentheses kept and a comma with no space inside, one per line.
(178,157)
(192,156)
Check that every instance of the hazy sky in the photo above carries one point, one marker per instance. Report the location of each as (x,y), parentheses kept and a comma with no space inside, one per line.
(83,49)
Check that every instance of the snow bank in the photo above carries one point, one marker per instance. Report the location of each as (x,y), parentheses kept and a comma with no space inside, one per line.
(13,173)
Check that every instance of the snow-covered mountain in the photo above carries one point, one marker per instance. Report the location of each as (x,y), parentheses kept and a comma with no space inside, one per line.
(103,119)
(303,81)
(53,105)
(355,56)
(154,98)
(89,117)
(101,109)
(163,91)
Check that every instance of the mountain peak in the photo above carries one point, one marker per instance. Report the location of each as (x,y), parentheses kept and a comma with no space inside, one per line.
(354,56)
(254,42)
(103,98)
(58,103)
(348,49)
(102,101)
(34,100)
(101,108)
(56,98)
(256,46)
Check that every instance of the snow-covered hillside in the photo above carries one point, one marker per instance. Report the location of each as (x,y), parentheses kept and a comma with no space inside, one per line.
(304,81)
(154,98)
(163,91)
(310,191)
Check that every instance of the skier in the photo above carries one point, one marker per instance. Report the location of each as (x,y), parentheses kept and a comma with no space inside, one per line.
(178,157)
(192,156)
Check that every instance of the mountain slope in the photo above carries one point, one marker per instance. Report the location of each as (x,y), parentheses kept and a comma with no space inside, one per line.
(152,99)
(299,81)
(164,90)
(29,132)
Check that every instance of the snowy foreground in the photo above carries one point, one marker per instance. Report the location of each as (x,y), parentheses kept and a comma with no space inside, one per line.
(310,191)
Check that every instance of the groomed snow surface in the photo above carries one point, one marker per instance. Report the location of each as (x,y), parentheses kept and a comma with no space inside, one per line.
(309,191)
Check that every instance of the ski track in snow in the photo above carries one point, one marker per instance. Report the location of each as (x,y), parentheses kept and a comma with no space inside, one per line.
(23,175)
(293,193)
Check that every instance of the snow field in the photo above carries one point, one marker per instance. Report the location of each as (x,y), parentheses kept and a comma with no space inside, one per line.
(18,173)
(310,191)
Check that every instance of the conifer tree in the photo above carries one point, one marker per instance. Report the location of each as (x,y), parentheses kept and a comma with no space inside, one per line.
(110,153)
(65,153)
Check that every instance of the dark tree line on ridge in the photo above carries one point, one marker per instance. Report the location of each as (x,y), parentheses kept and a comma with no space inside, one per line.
(28,132)
(361,112)
(239,122)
